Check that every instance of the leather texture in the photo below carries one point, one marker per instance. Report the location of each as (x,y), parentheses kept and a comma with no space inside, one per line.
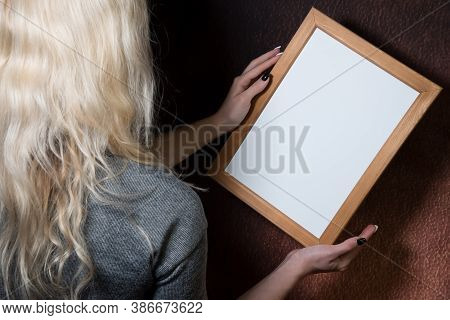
(202,45)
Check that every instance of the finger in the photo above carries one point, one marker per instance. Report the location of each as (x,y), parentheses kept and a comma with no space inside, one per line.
(367,233)
(244,80)
(351,244)
(345,247)
(257,87)
(262,58)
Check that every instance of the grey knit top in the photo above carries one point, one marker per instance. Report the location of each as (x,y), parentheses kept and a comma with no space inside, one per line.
(150,245)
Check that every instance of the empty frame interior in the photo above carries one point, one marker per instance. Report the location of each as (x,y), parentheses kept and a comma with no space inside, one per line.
(315,142)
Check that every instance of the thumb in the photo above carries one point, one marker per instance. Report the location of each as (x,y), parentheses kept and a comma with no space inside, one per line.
(257,87)
(367,233)
(351,245)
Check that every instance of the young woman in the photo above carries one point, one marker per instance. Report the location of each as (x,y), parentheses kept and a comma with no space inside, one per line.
(88,209)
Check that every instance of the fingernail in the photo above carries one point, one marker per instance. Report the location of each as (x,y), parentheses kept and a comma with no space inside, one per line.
(361,241)
(376,227)
(265,76)
(277,48)
(279,54)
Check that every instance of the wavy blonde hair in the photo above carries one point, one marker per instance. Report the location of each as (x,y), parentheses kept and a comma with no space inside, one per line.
(76,82)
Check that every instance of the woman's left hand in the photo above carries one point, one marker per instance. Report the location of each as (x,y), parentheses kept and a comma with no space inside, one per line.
(244,89)
(329,258)
(301,262)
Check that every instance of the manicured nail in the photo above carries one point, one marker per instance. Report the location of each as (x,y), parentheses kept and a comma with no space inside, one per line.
(265,76)
(279,54)
(277,48)
(361,241)
(376,227)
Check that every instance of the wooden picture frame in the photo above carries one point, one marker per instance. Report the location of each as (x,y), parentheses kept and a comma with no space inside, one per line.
(427,93)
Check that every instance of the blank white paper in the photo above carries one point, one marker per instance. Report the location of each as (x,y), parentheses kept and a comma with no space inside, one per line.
(347,107)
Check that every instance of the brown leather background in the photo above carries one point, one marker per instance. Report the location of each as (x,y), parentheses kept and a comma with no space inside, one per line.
(202,45)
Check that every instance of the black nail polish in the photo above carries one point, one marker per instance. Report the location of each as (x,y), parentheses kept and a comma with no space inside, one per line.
(265,76)
(361,241)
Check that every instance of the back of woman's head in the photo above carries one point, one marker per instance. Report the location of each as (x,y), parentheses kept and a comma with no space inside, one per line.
(75,83)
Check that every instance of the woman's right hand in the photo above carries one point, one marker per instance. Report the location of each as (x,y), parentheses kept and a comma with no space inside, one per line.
(329,258)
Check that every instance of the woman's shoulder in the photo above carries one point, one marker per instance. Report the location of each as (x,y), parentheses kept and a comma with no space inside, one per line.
(156,193)
(167,225)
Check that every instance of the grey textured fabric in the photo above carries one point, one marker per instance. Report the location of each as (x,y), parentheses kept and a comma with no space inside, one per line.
(152,244)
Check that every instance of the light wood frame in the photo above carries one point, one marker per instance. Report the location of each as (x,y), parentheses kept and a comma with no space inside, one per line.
(428,92)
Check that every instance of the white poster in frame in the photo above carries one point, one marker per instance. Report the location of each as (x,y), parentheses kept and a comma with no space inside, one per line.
(315,142)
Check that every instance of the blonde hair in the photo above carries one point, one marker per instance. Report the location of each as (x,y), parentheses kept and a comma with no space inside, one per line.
(76,82)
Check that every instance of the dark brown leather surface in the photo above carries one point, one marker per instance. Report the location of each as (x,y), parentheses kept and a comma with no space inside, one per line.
(202,45)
